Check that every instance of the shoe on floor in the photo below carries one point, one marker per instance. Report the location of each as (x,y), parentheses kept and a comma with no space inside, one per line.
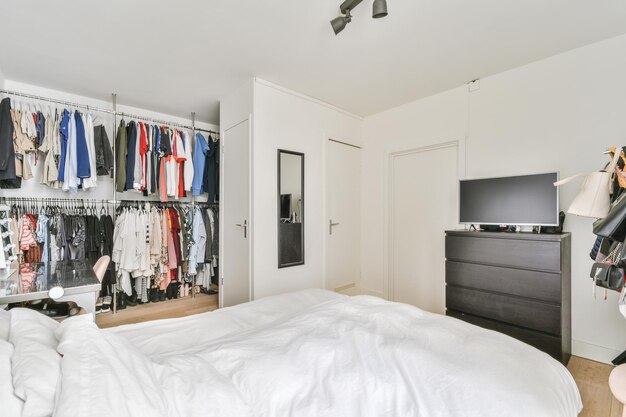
(106,304)
(99,303)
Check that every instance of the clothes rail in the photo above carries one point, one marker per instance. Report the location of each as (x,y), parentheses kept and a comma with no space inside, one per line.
(55,200)
(103,110)
(163,122)
(162,203)
(52,100)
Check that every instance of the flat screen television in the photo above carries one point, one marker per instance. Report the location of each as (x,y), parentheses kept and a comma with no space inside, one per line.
(285,206)
(525,200)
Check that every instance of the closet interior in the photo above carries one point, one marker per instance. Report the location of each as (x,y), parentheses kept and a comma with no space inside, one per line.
(143,191)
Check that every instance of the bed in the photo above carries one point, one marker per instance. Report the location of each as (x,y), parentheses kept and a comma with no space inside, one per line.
(310,353)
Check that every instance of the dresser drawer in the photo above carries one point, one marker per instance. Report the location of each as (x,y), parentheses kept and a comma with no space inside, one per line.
(543,286)
(522,312)
(530,254)
(546,343)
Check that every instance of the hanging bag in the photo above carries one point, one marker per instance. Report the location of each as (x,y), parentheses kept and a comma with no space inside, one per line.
(613,226)
(609,274)
(594,197)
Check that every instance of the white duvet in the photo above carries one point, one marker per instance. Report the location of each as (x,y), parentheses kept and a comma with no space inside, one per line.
(332,356)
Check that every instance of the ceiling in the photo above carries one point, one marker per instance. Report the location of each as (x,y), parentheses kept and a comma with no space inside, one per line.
(183,56)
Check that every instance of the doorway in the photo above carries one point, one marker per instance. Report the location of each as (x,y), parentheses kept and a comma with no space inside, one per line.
(422,204)
(343,217)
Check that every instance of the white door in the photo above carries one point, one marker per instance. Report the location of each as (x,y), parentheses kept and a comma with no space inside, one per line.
(343,221)
(235,219)
(423,204)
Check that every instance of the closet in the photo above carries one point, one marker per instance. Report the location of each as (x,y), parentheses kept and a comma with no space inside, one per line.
(87,181)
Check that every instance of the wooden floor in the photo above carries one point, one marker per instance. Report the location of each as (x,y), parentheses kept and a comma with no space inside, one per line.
(163,310)
(592,379)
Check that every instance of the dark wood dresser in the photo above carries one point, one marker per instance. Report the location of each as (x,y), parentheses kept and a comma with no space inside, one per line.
(515,283)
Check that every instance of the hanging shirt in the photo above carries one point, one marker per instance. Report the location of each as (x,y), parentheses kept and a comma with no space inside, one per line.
(8,177)
(27,124)
(104,155)
(22,144)
(171,167)
(143,150)
(121,152)
(71,164)
(199,157)
(83,169)
(210,180)
(138,171)
(189,167)
(52,148)
(130,158)
(64,132)
(40,125)
(92,180)
(198,234)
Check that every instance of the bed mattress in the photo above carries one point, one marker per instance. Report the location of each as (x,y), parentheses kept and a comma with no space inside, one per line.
(311,353)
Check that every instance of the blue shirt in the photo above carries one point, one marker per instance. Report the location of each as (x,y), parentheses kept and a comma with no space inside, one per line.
(83,169)
(199,157)
(65,124)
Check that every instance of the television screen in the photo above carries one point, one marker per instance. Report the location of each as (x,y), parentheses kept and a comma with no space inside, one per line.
(285,206)
(521,200)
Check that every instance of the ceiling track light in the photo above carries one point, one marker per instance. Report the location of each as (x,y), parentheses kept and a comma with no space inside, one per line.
(379,9)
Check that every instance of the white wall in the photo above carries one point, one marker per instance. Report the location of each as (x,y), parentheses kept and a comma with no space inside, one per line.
(287,120)
(104,190)
(559,114)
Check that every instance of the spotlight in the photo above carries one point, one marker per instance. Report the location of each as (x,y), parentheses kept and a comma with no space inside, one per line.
(339,23)
(379,9)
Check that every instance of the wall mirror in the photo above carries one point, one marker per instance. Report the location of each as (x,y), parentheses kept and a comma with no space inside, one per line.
(290,208)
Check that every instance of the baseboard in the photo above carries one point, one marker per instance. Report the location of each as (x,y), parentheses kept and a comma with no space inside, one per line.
(593,352)
(374,293)
(348,289)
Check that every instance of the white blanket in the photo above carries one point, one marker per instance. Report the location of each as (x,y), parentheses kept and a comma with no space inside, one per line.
(347,356)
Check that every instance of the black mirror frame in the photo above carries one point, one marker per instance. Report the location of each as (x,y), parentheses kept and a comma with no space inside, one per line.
(286,265)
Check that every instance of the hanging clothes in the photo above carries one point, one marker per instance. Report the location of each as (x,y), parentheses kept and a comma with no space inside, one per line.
(210,181)
(8,175)
(199,160)
(121,155)
(83,169)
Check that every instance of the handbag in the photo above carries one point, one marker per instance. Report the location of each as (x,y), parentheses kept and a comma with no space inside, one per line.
(613,226)
(594,197)
(608,276)
(609,273)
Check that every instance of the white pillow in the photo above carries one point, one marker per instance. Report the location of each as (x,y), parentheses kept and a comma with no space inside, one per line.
(104,375)
(36,365)
(5,324)
(10,403)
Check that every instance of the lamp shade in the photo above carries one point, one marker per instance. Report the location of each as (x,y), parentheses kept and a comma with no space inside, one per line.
(379,9)
(339,23)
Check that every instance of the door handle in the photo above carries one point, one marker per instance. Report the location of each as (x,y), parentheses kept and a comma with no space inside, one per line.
(245,228)
(330,226)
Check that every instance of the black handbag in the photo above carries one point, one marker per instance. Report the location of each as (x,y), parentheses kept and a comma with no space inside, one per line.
(608,276)
(613,226)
